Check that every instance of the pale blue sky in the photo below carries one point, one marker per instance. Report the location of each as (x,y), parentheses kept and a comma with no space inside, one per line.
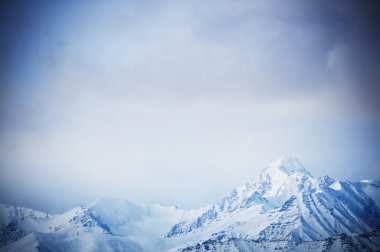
(178,102)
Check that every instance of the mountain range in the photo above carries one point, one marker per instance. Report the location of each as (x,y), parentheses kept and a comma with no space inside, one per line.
(283,208)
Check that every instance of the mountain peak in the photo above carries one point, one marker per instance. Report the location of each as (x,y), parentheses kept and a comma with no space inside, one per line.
(288,158)
(289,165)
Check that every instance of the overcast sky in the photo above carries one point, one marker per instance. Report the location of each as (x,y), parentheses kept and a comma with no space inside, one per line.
(178,102)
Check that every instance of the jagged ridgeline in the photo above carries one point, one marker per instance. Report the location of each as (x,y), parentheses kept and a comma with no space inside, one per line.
(283,208)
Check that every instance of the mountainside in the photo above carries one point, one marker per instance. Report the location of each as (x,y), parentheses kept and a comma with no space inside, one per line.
(283,208)
(365,242)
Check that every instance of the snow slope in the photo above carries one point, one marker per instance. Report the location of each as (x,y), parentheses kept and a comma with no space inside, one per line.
(85,242)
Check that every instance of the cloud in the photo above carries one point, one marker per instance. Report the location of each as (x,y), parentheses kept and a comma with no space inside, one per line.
(135,98)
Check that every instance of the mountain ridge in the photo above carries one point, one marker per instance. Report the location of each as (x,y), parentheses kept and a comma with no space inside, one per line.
(283,207)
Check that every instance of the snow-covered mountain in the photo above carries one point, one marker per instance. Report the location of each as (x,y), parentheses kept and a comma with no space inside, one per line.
(284,203)
(283,208)
(78,229)
(104,225)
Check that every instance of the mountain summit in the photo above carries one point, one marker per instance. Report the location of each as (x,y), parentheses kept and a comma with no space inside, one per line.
(289,165)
